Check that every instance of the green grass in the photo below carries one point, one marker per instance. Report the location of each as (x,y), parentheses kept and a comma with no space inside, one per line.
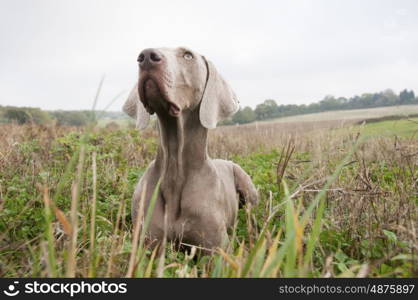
(350,209)
(403,128)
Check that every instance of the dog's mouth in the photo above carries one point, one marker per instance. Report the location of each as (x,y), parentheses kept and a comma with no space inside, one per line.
(154,96)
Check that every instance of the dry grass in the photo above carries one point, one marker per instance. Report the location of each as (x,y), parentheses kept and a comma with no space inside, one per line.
(345,206)
(262,136)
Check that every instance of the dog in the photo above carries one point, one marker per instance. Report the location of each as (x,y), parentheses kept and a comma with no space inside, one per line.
(199,196)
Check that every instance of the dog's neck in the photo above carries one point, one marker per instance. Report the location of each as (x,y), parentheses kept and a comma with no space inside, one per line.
(183,142)
(182,151)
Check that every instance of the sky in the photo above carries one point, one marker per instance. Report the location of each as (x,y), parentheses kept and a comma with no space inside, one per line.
(54,53)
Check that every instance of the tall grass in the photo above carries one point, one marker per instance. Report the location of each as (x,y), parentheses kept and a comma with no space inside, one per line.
(331,204)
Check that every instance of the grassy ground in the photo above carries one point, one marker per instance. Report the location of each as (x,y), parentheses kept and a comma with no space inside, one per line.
(353,114)
(404,128)
(332,203)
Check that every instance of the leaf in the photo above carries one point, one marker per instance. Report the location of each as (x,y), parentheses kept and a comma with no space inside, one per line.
(390,235)
(341,256)
(402,256)
(342,267)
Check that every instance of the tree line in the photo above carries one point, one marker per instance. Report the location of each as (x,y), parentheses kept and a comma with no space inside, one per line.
(269,109)
(22,115)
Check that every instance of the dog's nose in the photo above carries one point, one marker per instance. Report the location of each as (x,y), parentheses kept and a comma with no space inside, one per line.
(149,58)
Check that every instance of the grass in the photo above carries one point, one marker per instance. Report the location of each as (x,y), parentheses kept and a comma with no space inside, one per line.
(352,114)
(334,203)
(402,128)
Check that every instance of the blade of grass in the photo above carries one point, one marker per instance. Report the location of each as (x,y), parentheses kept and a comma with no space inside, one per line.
(290,225)
(92,267)
(96,99)
(161,259)
(116,241)
(271,253)
(77,186)
(217,270)
(253,253)
(148,269)
(135,234)
(49,234)
(313,237)
(150,211)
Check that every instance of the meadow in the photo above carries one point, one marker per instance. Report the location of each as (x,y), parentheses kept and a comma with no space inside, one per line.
(337,199)
(353,114)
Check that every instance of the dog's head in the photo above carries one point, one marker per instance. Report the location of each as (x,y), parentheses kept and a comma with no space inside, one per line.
(175,80)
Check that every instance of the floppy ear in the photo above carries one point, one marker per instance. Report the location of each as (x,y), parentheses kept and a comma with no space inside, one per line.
(218,101)
(134,108)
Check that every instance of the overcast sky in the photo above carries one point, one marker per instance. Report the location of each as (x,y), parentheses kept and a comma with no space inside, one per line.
(53,53)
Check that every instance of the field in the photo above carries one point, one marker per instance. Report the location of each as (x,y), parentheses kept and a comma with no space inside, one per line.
(353,114)
(404,128)
(337,200)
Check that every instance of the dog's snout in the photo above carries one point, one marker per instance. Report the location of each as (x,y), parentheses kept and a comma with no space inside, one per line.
(149,58)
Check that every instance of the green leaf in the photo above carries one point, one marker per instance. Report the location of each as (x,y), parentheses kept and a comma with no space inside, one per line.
(391,236)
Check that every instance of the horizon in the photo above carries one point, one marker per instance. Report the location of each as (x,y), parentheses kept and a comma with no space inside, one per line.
(241,106)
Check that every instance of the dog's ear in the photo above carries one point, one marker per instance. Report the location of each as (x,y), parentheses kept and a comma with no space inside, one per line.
(218,101)
(134,108)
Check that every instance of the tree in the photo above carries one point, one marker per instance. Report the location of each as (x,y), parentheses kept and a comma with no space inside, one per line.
(23,115)
(330,103)
(387,98)
(406,97)
(16,114)
(266,110)
(73,118)
(245,115)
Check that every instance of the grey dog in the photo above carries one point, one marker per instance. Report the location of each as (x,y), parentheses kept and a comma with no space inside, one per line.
(198,195)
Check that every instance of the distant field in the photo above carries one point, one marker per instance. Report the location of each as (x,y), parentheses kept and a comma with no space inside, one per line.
(268,130)
(403,128)
(355,114)
(121,122)
(339,115)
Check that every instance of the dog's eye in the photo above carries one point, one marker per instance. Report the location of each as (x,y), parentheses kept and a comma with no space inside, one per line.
(188,56)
